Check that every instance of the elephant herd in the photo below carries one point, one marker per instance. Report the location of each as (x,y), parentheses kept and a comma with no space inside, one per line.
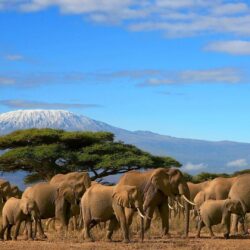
(74,196)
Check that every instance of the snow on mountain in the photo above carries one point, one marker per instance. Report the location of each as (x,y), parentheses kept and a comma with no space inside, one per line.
(60,119)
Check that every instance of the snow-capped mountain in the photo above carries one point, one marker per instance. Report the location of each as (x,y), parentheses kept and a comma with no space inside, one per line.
(195,155)
(60,119)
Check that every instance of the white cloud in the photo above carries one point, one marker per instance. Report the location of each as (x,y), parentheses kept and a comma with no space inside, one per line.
(209,76)
(235,47)
(238,163)
(6,81)
(174,18)
(14,57)
(190,166)
(146,77)
(25,104)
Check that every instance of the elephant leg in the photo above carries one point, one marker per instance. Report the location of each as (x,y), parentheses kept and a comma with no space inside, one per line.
(111,227)
(2,231)
(164,213)
(9,232)
(40,229)
(29,227)
(211,232)
(87,227)
(227,224)
(235,224)
(200,226)
(75,226)
(120,215)
(18,224)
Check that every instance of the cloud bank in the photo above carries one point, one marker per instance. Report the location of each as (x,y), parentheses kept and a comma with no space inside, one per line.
(182,18)
(25,104)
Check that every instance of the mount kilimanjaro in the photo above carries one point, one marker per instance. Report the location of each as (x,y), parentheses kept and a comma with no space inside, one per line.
(195,155)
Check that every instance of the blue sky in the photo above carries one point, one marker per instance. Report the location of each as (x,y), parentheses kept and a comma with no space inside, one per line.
(179,68)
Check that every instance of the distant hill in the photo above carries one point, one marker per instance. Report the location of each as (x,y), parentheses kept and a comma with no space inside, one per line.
(195,155)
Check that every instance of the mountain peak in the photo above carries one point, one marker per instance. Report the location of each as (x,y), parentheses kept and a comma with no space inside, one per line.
(42,118)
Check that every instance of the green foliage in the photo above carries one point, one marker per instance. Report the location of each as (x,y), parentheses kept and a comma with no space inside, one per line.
(204,176)
(37,151)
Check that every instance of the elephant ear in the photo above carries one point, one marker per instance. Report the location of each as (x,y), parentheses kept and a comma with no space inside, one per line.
(160,180)
(24,202)
(121,197)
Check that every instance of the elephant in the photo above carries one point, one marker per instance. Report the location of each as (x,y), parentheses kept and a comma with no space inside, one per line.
(5,190)
(195,188)
(217,189)
(14,212)
(103,203)
(15,191)
(213,212)
(80,181)
(156,186)
(240,190)
(52,201)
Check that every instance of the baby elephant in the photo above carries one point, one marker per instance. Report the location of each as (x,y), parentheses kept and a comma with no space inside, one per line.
(213,212)
(14,212)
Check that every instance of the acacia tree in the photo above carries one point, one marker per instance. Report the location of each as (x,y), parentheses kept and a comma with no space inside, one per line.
(46,152)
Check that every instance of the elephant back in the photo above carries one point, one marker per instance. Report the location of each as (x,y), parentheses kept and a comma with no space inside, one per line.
(80,181)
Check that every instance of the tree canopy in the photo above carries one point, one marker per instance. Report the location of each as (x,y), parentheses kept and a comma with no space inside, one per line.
(46,152)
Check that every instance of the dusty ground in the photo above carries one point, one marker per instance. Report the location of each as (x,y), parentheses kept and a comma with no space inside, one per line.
(73,240)
(153,243)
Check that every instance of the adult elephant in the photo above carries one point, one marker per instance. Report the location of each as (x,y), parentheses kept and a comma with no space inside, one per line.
(80,181)
(52,201)
(240,191)
(107,203)
(195,188)
(15,191)
(156,186)
(216,189)
(5,190)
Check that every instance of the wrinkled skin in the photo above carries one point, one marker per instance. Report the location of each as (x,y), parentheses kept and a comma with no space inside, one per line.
(52,201)
(107,203)
(14,212)
(156,186)
(213,212)
(240,190)
(80,181)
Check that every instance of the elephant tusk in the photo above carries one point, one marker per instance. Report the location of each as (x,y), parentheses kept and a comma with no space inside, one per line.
(139,212)
(180,204)
(187,200)
(170,207)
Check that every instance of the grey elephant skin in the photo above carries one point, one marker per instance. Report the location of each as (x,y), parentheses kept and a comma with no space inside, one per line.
(213,212)
(106,203)
(14,212)
(52,201)
(156,186)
